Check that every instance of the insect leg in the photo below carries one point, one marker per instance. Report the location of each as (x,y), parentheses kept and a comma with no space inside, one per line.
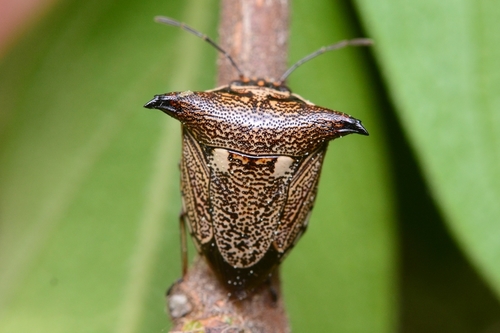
(184,251)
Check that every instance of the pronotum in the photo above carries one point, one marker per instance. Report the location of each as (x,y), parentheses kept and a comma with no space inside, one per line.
(252,153)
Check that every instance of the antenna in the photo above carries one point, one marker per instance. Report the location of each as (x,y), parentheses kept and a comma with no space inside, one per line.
(170,21)
(336,46)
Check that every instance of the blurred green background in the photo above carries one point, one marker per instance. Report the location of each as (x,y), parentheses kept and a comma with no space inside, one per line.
(405,234)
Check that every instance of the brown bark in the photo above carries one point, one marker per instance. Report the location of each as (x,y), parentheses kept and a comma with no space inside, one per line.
(201,301)
(255,34)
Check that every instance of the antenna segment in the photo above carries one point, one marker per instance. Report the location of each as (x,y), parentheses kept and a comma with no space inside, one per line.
(169,21)
(336,46)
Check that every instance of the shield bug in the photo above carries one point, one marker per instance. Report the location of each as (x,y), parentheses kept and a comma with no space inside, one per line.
(252,153)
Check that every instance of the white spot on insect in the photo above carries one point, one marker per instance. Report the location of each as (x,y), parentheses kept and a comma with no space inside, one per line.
(221,161)
(185,93)
(283,166)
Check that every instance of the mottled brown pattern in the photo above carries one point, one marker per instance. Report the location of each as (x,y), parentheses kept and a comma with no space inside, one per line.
(246,195)
(252,156)
(194,184)
(256,120)
(301,195)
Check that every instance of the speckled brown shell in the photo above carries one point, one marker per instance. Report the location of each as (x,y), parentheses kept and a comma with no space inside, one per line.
(251,160)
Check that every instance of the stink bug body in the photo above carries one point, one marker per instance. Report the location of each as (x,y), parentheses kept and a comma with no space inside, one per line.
(251,159)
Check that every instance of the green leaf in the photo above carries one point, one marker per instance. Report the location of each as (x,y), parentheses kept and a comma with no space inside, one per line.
(343,269)
(89,195)
(440,62)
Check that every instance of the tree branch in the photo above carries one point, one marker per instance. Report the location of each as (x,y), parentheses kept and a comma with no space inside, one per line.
(255,34)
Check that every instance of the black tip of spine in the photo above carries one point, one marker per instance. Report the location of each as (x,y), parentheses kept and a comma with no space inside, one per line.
(154,103)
